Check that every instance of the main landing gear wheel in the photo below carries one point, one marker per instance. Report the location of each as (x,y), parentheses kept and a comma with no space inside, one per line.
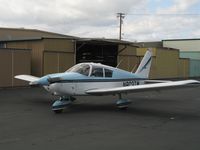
(61,104)
(122,104)
(59,111)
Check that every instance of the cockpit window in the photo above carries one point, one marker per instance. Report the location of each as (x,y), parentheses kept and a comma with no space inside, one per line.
(97,72)
(83,69)
(108,73)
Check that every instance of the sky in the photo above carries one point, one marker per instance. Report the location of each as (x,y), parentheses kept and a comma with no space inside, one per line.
(145,20)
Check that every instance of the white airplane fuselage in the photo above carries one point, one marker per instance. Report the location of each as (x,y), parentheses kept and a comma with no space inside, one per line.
(88,76)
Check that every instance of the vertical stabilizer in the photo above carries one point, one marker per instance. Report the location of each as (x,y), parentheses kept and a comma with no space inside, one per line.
(145,65)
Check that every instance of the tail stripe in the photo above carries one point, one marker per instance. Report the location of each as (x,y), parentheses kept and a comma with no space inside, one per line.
(145,66)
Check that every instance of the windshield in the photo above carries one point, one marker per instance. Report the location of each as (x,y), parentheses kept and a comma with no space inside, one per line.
(83,69)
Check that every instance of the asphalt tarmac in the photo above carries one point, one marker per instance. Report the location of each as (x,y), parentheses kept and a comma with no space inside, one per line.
(163,120)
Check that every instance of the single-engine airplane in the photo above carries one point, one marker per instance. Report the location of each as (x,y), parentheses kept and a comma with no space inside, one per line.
(98,79)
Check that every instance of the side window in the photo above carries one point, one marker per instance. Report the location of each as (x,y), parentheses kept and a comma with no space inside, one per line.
(108,73)
(97,72)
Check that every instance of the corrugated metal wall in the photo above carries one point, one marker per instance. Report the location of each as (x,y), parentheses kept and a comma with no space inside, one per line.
(127,62)
(40,67)
(14,62)
(55,62)
(194,62)
(37,48)
(183,68)
(64,45)
(188,49)
(127,58)
(166,63)
(58,55)
(190,54)
(194,68)
(6,68)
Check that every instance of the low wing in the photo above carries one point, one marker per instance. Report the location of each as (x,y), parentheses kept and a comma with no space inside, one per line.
(28,78)
(141,88)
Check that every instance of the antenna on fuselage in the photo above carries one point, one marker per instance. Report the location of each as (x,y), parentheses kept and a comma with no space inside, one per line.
(119,63)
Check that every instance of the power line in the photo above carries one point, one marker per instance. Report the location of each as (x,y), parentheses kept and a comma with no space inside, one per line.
(150,14)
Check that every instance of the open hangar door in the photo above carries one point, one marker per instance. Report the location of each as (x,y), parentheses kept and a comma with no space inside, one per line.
(97,51)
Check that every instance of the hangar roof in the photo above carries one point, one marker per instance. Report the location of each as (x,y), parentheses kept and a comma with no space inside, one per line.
(103,40)
(16,33)
(88,40)
(33,39)
(181,39)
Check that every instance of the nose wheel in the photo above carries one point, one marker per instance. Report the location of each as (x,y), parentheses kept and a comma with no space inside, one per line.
(61,104)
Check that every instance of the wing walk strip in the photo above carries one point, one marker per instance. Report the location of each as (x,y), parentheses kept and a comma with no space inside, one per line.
(141,88)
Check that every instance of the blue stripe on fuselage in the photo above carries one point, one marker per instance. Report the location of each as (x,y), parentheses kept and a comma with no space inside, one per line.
(98,80)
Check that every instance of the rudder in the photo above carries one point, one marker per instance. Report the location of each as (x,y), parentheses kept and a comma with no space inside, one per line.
(145,65)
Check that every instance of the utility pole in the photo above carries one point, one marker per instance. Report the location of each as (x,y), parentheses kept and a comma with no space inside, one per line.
(121,16)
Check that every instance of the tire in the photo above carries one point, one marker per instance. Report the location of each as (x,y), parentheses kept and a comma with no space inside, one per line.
(59,111)
(122,107)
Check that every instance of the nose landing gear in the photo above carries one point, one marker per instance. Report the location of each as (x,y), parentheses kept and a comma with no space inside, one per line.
(61,104)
